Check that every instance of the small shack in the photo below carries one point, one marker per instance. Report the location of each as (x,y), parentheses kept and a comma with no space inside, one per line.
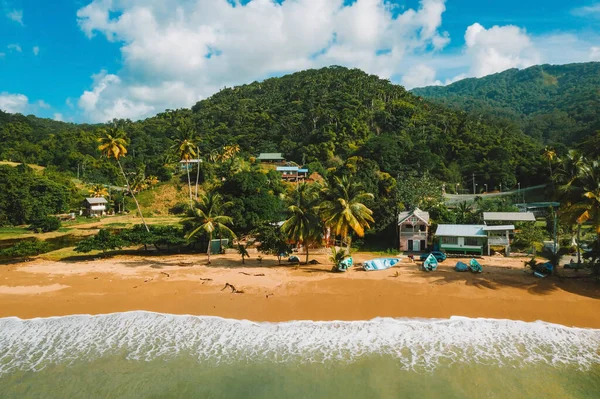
(499,232)
(94,206)
(461,238)
(413,230)
(293,174)
(271,157)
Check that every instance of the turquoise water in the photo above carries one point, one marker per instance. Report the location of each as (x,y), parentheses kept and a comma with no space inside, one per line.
(142,354)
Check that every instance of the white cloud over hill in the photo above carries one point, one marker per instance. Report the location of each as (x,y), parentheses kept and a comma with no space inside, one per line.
(175,53)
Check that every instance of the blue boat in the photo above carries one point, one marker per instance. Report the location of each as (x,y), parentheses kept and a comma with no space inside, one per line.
(380,263)
(475,266)
(461,267)
(345,264)
(430,263)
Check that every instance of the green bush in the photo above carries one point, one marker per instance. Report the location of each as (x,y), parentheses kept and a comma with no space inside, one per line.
(25,248)
(45,224)
(103,241)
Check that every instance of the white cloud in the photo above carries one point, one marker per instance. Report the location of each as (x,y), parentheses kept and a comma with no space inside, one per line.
(420,76)
(595,54)
(43,104)
(58,117)
(499,48)
(15,46)
(2,55)
(13,103)
(587,11)
(16,15)
(36,50)
(69,103)
(174,55)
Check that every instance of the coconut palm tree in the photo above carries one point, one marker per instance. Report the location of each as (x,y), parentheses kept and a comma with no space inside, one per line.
(186,148)
(580,192)
(304,225)
(98,190)
(206,216)
(343,209)
(113,144)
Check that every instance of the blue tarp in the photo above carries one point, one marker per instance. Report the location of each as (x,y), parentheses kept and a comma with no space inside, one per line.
(380,263)
(475,266)
(430,263)
(461,267)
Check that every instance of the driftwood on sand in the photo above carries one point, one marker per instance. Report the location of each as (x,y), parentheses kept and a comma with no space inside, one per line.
(233,289)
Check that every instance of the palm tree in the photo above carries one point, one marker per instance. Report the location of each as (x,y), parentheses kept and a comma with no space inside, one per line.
(337,257)
(304,224)
(580,189)
(343,208)
(206,217)
(185,147)
(465,212)
(98,190)
(114,144)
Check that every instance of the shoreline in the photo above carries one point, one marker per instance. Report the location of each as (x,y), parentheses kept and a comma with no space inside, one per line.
(182,285)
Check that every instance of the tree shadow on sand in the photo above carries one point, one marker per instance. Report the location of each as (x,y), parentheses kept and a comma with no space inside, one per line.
(494,278)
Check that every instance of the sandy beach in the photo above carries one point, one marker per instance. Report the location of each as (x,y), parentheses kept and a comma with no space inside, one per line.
(183,284)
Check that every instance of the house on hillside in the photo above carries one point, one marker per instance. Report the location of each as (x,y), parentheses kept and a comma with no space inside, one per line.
(293,174)
(271,157)
(94,206)
(461,238)
(413,230)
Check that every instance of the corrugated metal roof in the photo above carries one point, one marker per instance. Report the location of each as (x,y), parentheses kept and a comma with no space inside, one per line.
(95,201)
(302,170)
(424,216)
(287,169)
(499,228)
(270,156)
(508,217)
(460,230)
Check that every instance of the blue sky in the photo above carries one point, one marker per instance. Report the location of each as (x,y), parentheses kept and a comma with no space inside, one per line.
(89,61)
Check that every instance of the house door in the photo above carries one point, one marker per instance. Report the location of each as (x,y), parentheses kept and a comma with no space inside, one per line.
(410,245)
(416,246)
(423,245)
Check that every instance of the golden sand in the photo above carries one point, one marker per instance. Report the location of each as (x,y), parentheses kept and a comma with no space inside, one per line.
(183,284)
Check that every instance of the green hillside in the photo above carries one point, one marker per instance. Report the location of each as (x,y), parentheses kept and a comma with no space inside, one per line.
(315,117)
(555,104)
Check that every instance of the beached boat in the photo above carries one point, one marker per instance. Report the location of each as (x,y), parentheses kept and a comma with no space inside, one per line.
(345,264)
(380,263)
(461,267)
(475,267)
(430,263)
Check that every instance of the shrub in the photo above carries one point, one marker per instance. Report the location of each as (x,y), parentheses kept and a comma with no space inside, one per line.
(103,241)
(45,224)
(25,248)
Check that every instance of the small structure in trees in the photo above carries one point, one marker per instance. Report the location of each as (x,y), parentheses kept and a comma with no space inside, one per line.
(271,157)
(94,206)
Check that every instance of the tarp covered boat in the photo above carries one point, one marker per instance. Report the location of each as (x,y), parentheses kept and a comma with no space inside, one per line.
(461,267)
(380,263)
(543,270)
(475,266)
(430,263)
(344,265)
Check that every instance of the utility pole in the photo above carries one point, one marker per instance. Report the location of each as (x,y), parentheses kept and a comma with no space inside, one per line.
(474,184)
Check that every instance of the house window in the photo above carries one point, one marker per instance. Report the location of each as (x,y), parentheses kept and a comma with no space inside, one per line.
(450,240)
(472,241)
(422,227)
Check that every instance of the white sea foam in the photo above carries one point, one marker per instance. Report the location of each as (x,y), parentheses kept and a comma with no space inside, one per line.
(419,344)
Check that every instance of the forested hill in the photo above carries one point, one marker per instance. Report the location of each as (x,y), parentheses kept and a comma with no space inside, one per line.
(315,117)
(556,104)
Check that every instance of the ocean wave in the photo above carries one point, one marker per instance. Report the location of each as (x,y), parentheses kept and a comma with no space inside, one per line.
(417,344)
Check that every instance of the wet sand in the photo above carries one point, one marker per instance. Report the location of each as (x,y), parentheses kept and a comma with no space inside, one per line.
(183,284)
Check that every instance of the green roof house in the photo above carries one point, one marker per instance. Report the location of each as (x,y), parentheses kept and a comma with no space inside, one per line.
(271,157)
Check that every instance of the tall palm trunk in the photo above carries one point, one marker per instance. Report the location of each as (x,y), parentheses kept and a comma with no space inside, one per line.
(306,246)
(187,169)
(209,242)
(197,171)
(133,195)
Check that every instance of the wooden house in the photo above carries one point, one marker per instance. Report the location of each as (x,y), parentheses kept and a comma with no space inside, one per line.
(413,230)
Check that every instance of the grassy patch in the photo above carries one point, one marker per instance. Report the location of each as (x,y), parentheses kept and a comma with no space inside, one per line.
(13,232)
